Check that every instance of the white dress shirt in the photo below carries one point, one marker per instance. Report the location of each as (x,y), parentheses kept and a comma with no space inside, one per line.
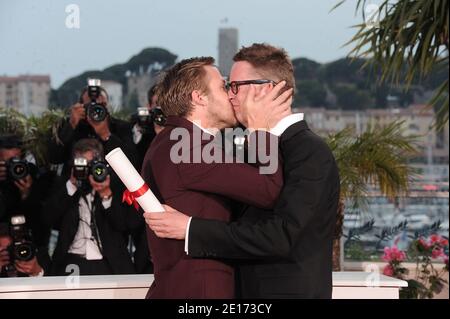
(277,130)
(84,243)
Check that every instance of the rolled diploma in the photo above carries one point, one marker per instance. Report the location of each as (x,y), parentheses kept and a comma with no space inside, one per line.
(132,180)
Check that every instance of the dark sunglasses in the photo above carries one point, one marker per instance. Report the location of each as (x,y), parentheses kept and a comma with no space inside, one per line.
(234,85)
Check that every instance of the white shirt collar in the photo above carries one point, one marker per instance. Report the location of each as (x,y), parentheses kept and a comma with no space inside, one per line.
(284,123)
(197,123)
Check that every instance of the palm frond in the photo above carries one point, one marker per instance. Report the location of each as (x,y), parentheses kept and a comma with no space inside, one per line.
(377,156)
(410,40)
(34,131)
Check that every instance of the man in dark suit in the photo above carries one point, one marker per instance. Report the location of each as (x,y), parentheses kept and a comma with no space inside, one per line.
(285,252)
(91,219)
(110,132)
(182,169)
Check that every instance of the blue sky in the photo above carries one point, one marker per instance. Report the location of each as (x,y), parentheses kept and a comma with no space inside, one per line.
(36,40)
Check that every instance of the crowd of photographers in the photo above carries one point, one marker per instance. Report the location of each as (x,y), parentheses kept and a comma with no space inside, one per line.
(78,198)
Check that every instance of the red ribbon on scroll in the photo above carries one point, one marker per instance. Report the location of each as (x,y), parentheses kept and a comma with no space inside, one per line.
(130,197)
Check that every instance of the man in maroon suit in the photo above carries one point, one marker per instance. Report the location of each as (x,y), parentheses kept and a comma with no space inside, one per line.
(194,97)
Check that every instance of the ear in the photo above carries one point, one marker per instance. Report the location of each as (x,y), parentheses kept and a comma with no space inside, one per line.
(199,98)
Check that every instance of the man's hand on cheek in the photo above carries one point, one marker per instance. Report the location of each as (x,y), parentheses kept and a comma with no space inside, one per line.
(266,107)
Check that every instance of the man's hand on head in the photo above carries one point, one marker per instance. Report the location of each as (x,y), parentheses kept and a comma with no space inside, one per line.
(265,110)
(169,224)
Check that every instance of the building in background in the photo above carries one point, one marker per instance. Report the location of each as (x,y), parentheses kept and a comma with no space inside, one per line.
(228,47)
(138,84)
(433,158)
(28,94)
(114,90)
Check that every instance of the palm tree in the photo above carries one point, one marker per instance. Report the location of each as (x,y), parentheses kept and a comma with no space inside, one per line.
(35,131)
(378,156)
(407,39)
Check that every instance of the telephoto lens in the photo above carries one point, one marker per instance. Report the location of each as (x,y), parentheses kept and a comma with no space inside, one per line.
(99,171)
(97,112)
(17,168)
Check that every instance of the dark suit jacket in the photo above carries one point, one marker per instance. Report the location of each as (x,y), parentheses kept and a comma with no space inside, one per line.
(201,190)
(62,214)
(291,246)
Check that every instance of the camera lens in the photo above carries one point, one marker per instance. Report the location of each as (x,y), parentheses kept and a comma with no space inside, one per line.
(99,171)
(158,116)
(97,112)
(24,252)
(17,168)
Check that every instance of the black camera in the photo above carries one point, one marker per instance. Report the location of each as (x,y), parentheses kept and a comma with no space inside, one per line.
(16,168)
(95,111)
(147,117)
(22,247)
(82,169)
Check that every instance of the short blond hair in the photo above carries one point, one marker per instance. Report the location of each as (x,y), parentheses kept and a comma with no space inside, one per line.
(176,85)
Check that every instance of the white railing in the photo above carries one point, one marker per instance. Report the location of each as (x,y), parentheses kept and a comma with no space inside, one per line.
(346,285)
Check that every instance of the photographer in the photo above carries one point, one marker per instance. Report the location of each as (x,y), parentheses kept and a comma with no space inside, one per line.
(90,118)
(17,268)
(147,122)
(22,191)
(93,222)
(14,170)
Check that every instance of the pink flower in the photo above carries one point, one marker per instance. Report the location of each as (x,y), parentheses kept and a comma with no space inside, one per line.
(437,252)
(393,254)
(435,239)
(388,270)
(421,242)
(438,240)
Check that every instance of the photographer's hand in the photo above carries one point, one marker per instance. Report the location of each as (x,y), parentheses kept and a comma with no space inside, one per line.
(103,188)
(5,241)
(77,113)
(31,267)
(3,172)
(4,257)
(101,128)
(24,186)
(72,179)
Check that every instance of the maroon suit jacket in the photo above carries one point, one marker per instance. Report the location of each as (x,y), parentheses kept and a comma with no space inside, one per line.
(201,190)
